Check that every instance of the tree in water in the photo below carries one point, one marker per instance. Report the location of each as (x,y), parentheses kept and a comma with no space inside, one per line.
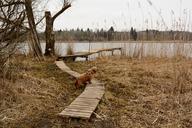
(49,33)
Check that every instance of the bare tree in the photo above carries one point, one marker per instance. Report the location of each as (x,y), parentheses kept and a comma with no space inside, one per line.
(49,34)
(12,15)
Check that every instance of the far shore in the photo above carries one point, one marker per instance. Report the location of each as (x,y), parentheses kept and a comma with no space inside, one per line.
(139,41)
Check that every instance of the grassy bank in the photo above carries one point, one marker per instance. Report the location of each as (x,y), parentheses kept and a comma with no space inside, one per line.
(34,94)
(150,92)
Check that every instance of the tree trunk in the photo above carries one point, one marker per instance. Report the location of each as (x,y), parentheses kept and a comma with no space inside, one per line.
(49,35)
(35,43)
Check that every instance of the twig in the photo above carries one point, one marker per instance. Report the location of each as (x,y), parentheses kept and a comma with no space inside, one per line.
(156,118)
(98,116)
(6,118)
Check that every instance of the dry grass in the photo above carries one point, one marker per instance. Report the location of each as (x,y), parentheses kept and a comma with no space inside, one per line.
(145,93)
(149,92)
(70,49)
(33,100)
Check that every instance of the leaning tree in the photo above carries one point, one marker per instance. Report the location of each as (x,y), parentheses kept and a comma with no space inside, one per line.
(49,34)
(35,42)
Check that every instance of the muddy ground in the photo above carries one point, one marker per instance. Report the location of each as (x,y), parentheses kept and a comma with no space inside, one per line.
(149,92)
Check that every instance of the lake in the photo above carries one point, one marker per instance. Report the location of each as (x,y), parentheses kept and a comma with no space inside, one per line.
(136,49)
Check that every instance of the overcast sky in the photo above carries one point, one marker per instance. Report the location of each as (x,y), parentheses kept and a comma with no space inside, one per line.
(122,14)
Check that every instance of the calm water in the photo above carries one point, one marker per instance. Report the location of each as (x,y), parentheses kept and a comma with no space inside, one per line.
(157,49)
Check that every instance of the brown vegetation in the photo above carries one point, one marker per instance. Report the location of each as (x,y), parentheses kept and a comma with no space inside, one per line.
(34,94)
(149,92)
(11,28)
(145,93)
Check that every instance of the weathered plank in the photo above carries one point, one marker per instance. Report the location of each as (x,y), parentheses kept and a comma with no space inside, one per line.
(86,54)
(65,68)
(75,114)
(84,105)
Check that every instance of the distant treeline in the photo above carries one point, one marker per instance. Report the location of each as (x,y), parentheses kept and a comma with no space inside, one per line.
(112,35)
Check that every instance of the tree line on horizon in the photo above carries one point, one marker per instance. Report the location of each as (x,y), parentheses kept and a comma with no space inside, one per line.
(112,35)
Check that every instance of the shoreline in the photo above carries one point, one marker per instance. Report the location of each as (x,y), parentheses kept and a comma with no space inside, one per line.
(139,42)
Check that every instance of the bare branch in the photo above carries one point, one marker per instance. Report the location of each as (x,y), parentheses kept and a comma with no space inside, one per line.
(12,3)
(66,6)
(12,16)
(40,20)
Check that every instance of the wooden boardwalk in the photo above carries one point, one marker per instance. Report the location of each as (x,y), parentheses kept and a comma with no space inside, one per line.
(87,54)
(84,105)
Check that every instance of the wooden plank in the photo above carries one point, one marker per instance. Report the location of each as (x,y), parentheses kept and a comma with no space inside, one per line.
(84,105)
(91,97)
(78,110)
(85,100)
(86,54)
(94,91)
(88,96)
(89,93)
(75,114)
(94,87)
(63,67)
(80,105)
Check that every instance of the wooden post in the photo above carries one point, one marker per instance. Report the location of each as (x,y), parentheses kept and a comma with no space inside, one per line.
(74,58)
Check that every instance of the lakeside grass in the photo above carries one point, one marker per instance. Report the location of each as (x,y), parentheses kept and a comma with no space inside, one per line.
(39,93)
(148,92)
